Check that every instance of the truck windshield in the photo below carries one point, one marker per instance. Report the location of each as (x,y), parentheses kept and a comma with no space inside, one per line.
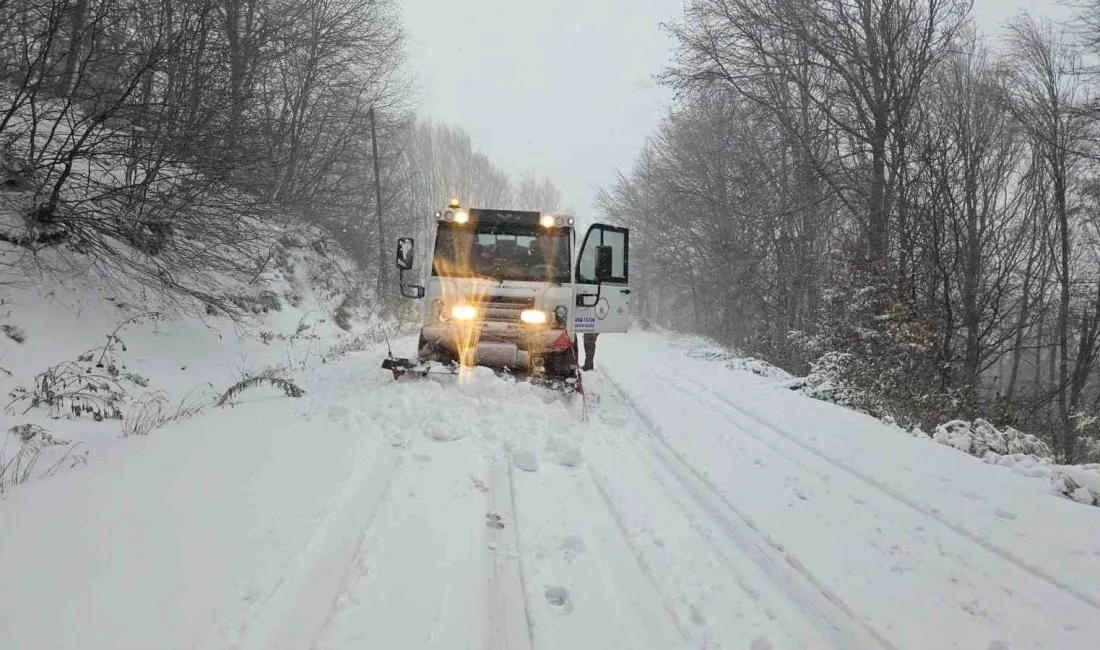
(502,252)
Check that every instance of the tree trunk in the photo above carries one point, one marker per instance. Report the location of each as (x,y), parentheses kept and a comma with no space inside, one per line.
(971,276)
(237,70)
(1021,321)
(382,266)
(1063,309)
(71,71)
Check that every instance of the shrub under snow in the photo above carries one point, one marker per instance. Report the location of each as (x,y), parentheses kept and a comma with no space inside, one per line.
(826,382)
(980,437)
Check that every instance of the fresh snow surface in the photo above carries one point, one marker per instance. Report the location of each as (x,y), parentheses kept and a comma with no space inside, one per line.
(694,506)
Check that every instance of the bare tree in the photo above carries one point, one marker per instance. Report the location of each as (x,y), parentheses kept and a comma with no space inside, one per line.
(183,129)
(1047,99)
(533,192)
(858,64)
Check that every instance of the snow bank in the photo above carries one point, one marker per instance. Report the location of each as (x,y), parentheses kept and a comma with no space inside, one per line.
(1023,453)
(699,347)
(62,331)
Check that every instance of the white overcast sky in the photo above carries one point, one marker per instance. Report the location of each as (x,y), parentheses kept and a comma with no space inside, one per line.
(561,87)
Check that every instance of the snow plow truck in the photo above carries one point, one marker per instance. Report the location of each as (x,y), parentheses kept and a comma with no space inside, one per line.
(511,290)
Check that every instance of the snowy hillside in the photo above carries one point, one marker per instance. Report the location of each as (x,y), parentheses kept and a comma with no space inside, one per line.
(86,360)
(692,506)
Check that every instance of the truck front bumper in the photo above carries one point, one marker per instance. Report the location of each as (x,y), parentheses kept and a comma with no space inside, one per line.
(499,345)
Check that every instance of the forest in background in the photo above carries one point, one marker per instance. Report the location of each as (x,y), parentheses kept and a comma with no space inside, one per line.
(877,194)
(175,142)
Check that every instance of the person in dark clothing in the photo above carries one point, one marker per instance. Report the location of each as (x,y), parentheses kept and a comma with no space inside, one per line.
(589,350)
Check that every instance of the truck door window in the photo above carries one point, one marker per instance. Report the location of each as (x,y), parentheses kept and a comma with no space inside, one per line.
(586,265)
(617,242)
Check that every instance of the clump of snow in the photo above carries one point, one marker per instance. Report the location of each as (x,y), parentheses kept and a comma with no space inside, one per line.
(981,437)
(1023,464)
(565,450)
(526,460)
(14,332)
(1078,482)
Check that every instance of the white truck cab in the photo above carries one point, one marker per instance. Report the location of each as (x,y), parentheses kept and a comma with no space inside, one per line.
(511,289)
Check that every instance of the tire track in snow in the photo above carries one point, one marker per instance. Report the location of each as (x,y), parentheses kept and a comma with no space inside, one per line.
(620,525)
(581,555)
(697,520)
(507,612)
(885,489)
(834,618)
(295,612)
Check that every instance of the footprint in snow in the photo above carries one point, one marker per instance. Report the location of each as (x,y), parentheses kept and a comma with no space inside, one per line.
(492,520)
(422,458)
(558,597)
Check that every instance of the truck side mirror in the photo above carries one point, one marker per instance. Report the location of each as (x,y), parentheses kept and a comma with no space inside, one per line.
(603,263)
(406,248)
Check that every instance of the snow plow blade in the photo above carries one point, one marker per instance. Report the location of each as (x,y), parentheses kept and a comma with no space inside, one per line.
(405,368)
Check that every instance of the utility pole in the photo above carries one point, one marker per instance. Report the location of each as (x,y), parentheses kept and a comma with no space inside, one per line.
(382,275)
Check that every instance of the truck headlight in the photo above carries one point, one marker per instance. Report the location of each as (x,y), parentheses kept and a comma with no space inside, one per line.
(464,312)
(533,316)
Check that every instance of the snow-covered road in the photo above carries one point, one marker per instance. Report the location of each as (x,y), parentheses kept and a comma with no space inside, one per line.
(696,507)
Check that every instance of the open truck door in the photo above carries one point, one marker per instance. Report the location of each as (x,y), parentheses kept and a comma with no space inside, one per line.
(603,281)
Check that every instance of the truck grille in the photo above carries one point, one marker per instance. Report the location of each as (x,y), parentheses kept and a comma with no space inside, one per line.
(505,309)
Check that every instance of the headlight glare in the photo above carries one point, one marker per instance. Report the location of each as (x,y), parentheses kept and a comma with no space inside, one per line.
(533,316)
(464,312)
